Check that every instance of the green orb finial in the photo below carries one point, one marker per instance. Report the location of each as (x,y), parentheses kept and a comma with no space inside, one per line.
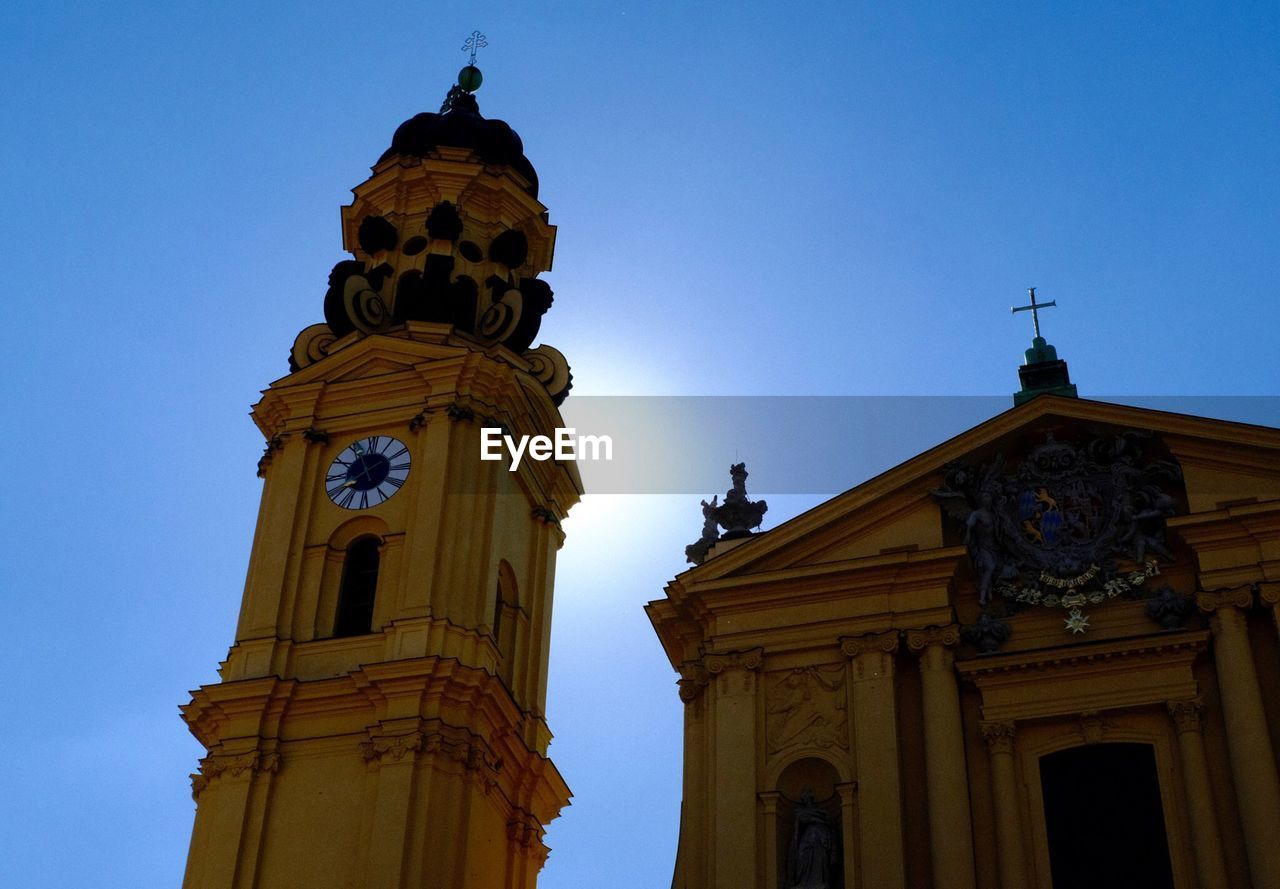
(470,78)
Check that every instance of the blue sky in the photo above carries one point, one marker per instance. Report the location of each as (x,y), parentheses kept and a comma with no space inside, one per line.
(752,199)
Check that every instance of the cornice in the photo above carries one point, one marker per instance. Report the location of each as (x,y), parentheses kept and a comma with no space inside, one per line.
(1184,644)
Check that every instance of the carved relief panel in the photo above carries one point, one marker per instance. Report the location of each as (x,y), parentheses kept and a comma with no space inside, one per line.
(806,708)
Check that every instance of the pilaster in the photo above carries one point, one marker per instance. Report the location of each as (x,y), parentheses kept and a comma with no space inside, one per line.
(734,678)
(392,757)
(874,709)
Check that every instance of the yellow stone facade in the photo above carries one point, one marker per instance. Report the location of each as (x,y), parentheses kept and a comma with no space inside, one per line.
(415,753)
(827,654)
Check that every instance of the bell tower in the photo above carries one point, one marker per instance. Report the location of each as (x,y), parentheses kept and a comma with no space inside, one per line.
(379,718)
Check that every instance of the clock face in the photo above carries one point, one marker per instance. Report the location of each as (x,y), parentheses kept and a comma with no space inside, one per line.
(367,472)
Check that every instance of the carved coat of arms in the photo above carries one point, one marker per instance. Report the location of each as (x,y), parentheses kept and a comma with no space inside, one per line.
(1073,523)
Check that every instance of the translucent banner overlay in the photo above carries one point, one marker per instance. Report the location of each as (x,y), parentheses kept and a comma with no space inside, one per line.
(810,445)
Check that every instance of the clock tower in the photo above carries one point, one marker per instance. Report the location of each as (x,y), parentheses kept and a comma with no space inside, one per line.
(379,719)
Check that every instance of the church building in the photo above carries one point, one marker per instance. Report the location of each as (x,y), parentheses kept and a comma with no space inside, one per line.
(1042,654)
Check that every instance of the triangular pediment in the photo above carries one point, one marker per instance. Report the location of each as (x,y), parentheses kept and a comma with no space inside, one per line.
(372,356)
(894,513)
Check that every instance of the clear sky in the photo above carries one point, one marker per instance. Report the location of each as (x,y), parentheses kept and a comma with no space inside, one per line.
(752,199)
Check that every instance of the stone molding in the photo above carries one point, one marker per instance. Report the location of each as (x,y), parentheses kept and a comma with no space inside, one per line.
(1215,600)
(1187,714)
(999,735)
(1046,660)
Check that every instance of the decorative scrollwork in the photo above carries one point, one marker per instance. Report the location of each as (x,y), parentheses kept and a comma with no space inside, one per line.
(312,344)
(550,368)
(364,307)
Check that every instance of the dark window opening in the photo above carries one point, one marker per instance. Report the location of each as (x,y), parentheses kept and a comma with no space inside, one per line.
(359,585)
(497,617)
(1104,819)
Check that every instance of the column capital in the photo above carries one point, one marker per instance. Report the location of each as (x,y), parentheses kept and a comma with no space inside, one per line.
(395,747)
(999,735)
(947,637)
(734,660)
(236,765)
(935,646)
(871,654)
(1218,600)
(693,679)
(1186,714)
(1269,593)
(853,646)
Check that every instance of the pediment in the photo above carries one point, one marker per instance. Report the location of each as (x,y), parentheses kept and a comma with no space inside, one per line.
(371,356)
(894,513)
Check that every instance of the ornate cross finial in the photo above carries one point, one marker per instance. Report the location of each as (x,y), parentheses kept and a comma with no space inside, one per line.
(474,44)
(1034,309)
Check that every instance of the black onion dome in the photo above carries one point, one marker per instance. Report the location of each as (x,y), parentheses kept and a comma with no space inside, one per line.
(463,127)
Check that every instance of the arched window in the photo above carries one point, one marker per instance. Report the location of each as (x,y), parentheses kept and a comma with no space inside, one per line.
(506,617)
(359,585)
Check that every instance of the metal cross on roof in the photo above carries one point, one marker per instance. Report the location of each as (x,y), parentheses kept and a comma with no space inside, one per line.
(474,43)
(1034,309)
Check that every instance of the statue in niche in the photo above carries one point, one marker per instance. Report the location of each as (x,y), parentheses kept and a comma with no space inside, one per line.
(811,860)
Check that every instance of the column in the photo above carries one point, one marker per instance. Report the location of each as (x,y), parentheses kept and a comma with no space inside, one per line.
(1004,789)
(1269,596)
(1205,839)
(734,730)
(875,743)
(1253,764)
(950,824)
